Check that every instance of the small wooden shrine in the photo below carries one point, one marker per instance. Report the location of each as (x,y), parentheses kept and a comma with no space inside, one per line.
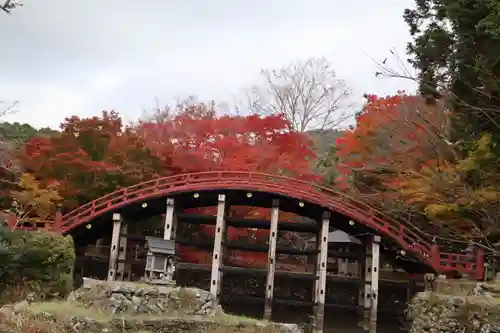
(160,260)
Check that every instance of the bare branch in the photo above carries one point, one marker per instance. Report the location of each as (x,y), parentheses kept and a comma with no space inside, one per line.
(9,5)
(8,162)
(308,93)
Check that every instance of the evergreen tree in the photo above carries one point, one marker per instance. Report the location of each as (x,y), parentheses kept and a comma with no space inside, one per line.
(455,48)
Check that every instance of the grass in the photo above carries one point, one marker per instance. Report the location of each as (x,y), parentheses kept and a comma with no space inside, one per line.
(68,309)
(52,317)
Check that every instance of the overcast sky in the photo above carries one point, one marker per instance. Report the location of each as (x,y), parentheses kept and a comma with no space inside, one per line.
(63,57)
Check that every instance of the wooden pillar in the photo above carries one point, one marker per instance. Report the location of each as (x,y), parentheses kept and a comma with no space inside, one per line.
(344,267)
(320,289)
(122,252)
(218,253)
(115,243)
(339,262)
(410,290)
(371,284)
(316,269)
(169,232)
(361,291)
(271,265)
(131,254)
(170,221)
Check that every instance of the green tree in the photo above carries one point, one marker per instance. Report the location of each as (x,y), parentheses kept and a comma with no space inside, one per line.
(455,48)
(17,134)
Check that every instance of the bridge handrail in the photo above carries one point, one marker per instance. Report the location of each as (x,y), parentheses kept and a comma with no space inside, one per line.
(402,228)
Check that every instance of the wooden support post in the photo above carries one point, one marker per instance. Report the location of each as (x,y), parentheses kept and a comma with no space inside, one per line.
(375,283)
(316,269)
(362,287)
(371,284)
(218,253)
(319,299)
(271,264)
(339,263)
(345,267)
(115,243)
(170,221)
(410,290)
(131,230)
(345,263)
(122,252)
(169,232)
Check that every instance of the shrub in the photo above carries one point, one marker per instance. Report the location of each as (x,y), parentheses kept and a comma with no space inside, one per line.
(36,261)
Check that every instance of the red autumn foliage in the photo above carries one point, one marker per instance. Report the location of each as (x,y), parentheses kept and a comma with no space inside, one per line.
(91,157)
(392,134)
(197,140)
(94,156)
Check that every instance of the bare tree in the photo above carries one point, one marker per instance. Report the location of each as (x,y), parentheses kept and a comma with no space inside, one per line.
(7,108)
(160,114)
(308,93)
(9,5)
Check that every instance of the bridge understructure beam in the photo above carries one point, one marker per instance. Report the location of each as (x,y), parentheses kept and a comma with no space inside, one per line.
(218,252)
(170,229)
(271,265)
(115,246)
(123,268)
(371,277)
(320,272)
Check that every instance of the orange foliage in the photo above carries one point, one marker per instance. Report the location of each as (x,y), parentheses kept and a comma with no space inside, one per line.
(196,139)
(392,134)
(91,157)
(94,156)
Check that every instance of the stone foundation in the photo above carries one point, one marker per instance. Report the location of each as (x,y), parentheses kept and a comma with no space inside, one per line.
(440,313)
(141,298)
(126,307)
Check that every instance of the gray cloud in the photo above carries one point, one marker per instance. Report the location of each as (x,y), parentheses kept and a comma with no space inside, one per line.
(63,57)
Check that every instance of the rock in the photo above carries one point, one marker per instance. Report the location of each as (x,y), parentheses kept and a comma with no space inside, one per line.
(439,313)
(126,297)
(166,309)
(20,306)
(290,328)
(5,312)
(30,297)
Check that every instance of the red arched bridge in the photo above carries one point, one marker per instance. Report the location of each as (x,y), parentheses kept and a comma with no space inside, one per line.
(257,189)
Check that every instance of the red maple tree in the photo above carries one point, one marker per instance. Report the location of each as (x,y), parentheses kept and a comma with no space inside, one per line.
(196,139)
(94,156)
(393,134)
(91,157)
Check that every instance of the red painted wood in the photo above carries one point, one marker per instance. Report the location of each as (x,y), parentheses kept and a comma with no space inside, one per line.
(409,237)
